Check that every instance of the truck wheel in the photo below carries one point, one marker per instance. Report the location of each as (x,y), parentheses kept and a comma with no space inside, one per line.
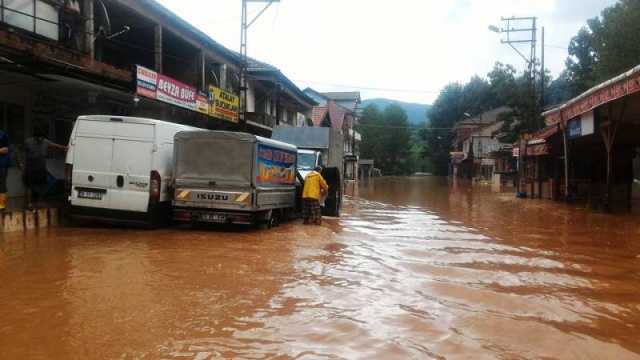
(274,219)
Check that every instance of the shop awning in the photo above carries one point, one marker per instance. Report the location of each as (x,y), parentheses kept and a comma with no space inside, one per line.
(456,157)
(608,91)
(544,133)
(537,150)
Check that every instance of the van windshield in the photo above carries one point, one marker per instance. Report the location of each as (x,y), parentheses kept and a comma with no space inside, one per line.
(306,161)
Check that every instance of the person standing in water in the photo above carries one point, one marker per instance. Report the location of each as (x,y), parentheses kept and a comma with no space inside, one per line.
(314,186)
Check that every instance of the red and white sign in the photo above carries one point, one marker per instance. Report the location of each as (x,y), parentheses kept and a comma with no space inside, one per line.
(176,93)
(146,81)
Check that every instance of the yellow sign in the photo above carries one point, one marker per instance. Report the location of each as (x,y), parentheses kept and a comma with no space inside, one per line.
(223,105)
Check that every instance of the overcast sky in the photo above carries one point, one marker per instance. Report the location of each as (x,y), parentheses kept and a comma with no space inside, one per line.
(405,50)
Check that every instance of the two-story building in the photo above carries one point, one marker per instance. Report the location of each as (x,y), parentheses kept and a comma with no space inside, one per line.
(126,58)
(339,110)
(476,146)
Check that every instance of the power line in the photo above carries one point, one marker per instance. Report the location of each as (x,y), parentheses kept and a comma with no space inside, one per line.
(402,127)
(371,88)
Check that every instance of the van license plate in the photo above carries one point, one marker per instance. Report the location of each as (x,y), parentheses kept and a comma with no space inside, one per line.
(213,217)
(90,195)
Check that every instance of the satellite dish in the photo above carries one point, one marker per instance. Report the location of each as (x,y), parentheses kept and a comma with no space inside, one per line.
(103,23)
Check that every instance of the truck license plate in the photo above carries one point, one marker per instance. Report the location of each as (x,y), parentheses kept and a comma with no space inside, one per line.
(90,195)
(213,217)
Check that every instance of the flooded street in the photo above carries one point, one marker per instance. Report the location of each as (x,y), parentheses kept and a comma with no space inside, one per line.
(416,268)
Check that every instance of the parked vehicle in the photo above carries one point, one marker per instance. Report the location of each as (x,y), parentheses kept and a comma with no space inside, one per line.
(234,178)
(318,146)
(117,169)
(308,160)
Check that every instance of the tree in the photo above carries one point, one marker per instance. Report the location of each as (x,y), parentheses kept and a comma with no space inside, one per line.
(615,39)
(503,84)
(387,139)
(607,47)
(558,91)
(371,130)
(446,110)
(397,141)
(476,94)
(581,63)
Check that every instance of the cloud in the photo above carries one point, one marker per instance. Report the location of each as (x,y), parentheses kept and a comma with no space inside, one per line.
(404,50)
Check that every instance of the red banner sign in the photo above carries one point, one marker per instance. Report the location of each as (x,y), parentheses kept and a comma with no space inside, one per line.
(609,93)
(176,93)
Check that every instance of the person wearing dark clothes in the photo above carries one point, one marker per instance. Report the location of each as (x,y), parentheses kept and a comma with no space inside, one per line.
(72,23)
(34,163)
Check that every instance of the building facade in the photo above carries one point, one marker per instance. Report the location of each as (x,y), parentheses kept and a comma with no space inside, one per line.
(126,58)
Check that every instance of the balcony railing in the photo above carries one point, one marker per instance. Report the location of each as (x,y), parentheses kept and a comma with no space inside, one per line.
(261,118)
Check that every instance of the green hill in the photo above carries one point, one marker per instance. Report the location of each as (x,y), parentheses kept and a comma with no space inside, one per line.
(416,113)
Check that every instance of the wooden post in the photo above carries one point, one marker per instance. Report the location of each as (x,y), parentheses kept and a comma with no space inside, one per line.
(609,130)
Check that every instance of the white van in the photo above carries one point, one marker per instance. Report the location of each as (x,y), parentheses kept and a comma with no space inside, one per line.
(117,169)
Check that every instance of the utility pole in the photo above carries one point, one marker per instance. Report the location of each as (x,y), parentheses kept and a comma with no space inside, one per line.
(519,39)
(243,56)
(542,71)
(513,38)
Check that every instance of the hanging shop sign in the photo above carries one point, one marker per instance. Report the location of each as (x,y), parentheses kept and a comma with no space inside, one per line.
(174,92)
(161,87)
(217,103)
(536,150)
(580,126)
(456,156)
(224,105)
(146,81)
(202,102)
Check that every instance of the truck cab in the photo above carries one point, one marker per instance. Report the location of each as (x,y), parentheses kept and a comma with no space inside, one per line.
(307,160)
(318,146)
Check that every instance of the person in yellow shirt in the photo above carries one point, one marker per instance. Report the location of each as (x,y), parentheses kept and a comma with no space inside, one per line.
(314,186)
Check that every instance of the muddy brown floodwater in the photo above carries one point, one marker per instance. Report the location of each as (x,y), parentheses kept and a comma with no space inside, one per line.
(416,268)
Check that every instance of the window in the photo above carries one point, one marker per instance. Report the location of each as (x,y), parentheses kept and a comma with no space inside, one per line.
(37,16)
(290,116)
(260,103)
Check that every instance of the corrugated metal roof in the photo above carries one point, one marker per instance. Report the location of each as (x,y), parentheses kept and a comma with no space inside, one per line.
(313,137)
(607,87)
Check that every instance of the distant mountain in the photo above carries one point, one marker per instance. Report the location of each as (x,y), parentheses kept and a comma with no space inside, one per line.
(416,113)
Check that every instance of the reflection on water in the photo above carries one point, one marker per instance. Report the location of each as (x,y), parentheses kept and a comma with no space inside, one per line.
(414,268)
